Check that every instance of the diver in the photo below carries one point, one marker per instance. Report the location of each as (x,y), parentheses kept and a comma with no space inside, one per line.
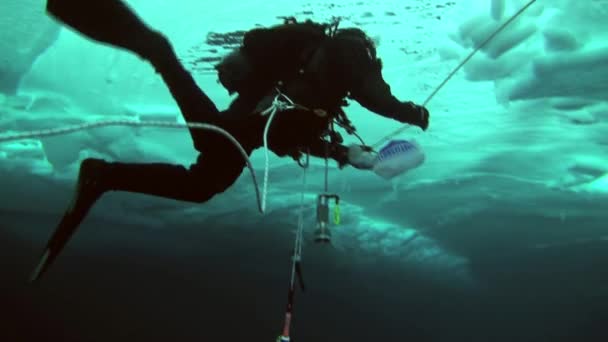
(316,70)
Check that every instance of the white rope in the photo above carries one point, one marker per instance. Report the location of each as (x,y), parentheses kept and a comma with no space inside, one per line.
(460,65)
(297,255)
(281,102)
(119,122)
(277,106)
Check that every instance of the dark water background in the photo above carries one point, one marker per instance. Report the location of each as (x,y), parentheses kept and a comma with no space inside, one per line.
(219,283)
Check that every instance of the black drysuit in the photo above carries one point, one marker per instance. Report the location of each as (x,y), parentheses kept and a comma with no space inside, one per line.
(347,66)
(333,68)
(339,66)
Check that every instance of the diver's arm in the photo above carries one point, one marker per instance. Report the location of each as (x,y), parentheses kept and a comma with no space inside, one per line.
(361,73)
(373,93)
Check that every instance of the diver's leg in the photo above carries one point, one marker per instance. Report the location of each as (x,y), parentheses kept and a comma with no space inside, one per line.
(212,174)
(113,22)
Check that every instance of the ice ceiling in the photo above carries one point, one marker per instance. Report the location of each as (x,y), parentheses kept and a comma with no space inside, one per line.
(519,134)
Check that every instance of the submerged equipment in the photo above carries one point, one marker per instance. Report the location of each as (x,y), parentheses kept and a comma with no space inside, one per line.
(296,259)
(397,157)
(322,232)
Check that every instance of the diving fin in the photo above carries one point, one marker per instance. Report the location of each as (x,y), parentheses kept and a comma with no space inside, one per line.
(112,22)
(88,191)
(109,21)
(64,231)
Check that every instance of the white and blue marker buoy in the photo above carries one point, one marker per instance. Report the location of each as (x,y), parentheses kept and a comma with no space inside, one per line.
(397,157)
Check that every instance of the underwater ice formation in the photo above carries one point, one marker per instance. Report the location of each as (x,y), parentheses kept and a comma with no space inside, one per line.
(578,74)
(25,33)
(550,57)
(548,52)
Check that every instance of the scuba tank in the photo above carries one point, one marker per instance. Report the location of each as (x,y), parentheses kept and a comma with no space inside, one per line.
(268,56)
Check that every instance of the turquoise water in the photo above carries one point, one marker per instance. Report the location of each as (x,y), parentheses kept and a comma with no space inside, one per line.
(499,236)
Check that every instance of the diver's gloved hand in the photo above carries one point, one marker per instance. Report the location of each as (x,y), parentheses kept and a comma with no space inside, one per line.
(360,157)
(414,114)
